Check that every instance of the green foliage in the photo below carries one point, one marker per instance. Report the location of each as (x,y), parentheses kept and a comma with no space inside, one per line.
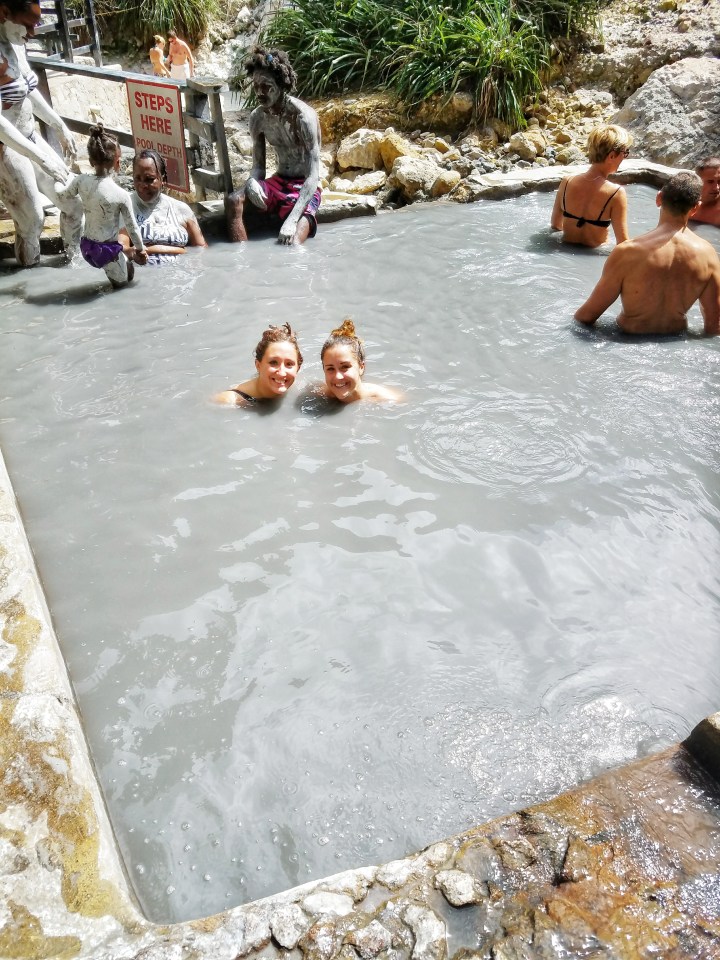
(493,49)
(141,19)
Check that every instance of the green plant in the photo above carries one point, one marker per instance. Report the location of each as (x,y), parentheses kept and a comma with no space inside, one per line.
(141,19)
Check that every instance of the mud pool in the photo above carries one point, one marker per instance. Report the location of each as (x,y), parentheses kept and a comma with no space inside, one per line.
(305,641)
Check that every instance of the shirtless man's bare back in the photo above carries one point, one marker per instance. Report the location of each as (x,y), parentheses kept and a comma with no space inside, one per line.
(291,195)
(709,173)
(661,274)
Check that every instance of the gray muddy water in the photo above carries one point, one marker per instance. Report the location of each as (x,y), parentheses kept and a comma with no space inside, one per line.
(305,640)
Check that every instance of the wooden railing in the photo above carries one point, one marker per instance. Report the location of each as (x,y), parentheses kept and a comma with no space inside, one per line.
(60,35)
(202,118)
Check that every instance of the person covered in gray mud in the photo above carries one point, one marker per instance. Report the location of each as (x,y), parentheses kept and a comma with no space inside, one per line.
(291,196)
(661,274)
(588,204)
(105,204)
(29,167)
(709,211)
(343,360)
(277,362)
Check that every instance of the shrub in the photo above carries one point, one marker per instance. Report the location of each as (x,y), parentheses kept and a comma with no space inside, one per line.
(493,49)
(141,19)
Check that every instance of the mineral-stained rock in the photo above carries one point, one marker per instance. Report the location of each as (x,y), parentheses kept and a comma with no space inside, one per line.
(522,146)
(414,175)
(675,116)
(444,183)
(288,924)
(429,932)
(321,941)
(370,940)
(459,887)
(328,904)
(393,146)
(361,150)
(570,154)
(362,183)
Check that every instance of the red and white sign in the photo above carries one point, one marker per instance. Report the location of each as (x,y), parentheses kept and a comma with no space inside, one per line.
(156,122)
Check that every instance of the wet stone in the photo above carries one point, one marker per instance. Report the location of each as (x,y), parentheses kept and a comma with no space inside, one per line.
(459,888)
(429,932)
(321,941)
(396,874)
(288,924)
(370,940)
(328,904)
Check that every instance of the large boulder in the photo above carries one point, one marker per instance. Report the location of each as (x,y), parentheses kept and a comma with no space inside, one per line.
(361,150)
(414,176)
(675,116)
(393,146)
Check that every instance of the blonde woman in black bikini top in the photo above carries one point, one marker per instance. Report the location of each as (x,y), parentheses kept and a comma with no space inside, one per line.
(588,204)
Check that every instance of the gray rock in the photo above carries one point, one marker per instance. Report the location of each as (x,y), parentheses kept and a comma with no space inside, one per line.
(675,116)
(459,887)
(328,904)
(429,932)
(371,940)
(288,924)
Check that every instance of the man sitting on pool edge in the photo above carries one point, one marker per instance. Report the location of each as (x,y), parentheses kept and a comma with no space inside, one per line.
(661,274)
(292,194)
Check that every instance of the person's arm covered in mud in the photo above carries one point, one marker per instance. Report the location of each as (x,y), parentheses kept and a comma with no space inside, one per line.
(53,165)
(310,134)
(253,190)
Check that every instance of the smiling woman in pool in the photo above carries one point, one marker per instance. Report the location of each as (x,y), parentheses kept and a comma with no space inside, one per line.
(343,360)
(277,361)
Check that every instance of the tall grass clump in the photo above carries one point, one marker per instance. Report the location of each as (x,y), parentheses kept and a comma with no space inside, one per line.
(141,19)
(493,49)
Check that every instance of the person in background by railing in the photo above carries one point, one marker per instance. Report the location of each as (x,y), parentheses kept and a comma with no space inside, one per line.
(180,58)
(28,165)
(292,194)
(157,57)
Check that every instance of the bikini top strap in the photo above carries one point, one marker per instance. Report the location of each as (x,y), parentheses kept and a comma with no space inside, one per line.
(607,202)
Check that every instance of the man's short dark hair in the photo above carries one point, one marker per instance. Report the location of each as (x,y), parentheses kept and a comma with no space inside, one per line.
(275,62)
(681,193)
(709,163)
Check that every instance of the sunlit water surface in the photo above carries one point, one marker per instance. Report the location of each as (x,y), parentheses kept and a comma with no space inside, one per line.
(306,641)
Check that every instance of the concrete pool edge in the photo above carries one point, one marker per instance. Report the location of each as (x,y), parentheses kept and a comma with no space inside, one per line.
(65,892)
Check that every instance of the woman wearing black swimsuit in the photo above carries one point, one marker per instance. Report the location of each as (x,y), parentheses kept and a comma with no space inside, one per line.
(277,361)
(588,204)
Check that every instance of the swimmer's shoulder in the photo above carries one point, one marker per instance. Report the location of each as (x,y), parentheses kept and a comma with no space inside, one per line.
(381,394)
(239,396)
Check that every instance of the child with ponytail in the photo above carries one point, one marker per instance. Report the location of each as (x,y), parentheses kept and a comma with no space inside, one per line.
(105,203)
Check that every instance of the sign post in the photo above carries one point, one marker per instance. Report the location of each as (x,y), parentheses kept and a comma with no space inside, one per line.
(156,122)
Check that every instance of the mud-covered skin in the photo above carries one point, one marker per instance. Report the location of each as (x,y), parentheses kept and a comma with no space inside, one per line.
(292,128)
(28,165)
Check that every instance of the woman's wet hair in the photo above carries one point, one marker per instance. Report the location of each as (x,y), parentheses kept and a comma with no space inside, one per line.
(345,336)
(606,139)
(102,147)
(281,334)
(275,62)
(160,166)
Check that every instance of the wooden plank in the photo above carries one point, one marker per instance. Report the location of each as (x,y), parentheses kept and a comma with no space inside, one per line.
(209,179)
(97,73)
(82,126)
(201,128)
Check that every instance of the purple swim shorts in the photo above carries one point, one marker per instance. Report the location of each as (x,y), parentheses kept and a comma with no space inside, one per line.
(98,253)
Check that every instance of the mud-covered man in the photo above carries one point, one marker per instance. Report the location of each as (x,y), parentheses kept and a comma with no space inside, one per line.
(291,196)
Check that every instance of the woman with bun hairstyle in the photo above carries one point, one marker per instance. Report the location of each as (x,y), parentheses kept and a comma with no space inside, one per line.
(277,361)
(343,360)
